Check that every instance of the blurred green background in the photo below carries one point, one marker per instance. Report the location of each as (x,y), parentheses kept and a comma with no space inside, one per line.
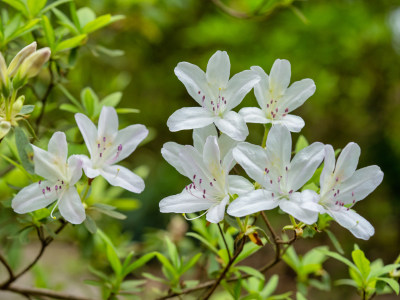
(350,48)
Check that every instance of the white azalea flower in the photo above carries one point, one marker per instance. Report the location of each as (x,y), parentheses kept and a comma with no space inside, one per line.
(108,146)
(279,177)
(216,94)
(211,183)
(61,176)
(342,186)
(277,99)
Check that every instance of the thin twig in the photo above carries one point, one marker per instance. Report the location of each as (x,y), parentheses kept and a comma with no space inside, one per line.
(7,266)
(44,293)
(226,244)
(225,271)
(44,243)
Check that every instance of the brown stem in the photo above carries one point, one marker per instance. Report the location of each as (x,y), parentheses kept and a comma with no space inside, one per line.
(44,293)
(225,271)
(44,243)
(226,244)
(7,266)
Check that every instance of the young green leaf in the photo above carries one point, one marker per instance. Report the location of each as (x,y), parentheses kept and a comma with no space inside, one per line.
(71,43)
(48,32)
(392,283)
(362,263)
(25,150)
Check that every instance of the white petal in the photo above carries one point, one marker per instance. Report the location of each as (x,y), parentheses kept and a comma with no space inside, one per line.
(58,146)
(31,198)
(88,131)
(75,164)
(233,125)
(252,202)
(120,176)
(347,161)
(297,208)
(194,80)
(254,115)
(279,78)
(71,207)
(87,166)
(226,145)
(108,123)
(218,69)
(363,182)
(304,164)
(129,138)
(351,220)
(253,160)
(291,122)
(238,87)
(211,155)
(279,147)
(200,135)
(297,94)
(217,212)
(261,89)
(239,185)
(189,118)
(327,171)
(184,202)
(48,166)
(170,152)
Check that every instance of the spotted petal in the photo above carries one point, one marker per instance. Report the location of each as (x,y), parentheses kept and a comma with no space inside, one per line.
(32,198)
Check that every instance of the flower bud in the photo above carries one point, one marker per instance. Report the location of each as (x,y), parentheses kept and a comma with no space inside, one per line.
(17,106)
(31,66)
(5,127)
(20,57)
(3,71)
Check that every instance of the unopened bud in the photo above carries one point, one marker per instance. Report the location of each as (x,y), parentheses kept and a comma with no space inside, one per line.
(5,127)
(20,57)
(3,71)
(17,106)
(31,66)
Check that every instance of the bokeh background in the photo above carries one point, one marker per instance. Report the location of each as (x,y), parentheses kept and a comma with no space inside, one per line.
(350,48)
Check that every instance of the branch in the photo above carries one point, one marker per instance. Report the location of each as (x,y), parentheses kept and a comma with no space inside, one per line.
(7,266)
(44,243)
(222,276)
(44,292)
(226,245)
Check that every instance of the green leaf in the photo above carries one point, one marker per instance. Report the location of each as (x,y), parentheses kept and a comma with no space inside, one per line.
(111,252)
(18,5)
(152,277)
(139,263)
(53,5)
(93,282)
(300,296)
(392,283)
(173,253)
(301,143)
(204,241)
(69,107)
(384,270)
(90,224)
(71,43)
(271,286)
(26,109)
(69,96)
(90,101)
(34,6)
(126,204)
(166,263)
(127,110)
(251,271)
(109,52)
(111,100)
(190,263)
(85,16)
(74,16)
(28,27)
(362,263)
(106,210)
(25,150)
(97,23)
(341,259)
(65,21)
(98,273)
(48,31)
(349,282)
(334,241)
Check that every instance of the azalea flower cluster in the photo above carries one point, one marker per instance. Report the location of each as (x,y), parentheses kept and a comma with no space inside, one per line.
(107,146)
(278,179)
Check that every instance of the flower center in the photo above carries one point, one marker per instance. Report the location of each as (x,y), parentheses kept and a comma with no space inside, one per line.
(106,152)
(217,105)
